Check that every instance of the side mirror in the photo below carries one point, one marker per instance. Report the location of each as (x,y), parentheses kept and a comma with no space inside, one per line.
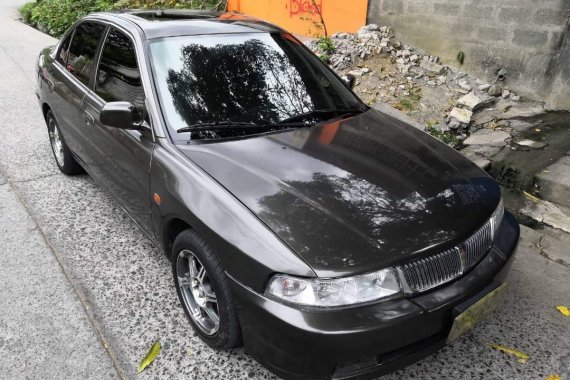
(122,115)
(348,80)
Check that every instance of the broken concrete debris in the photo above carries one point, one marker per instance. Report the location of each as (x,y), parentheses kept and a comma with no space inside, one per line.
(461,115)
(495,90)
(488,137)
(432,67)
(472,101)
(477,115)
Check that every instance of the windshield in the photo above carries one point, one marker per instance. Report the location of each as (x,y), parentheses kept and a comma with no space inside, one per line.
(259,79)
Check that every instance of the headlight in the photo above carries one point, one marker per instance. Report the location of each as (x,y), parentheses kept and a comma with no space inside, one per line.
(335,292)
(497,217)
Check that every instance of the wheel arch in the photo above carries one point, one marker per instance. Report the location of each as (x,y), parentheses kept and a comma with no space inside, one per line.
(171,229)
(45,109)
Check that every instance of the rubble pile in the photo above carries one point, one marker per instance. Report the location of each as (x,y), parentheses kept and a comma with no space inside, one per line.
(437,96)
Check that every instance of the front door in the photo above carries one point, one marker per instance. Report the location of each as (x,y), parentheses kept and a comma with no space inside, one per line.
(69,82)
(120,158)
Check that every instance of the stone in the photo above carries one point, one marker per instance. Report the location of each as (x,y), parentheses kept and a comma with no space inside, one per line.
(431,83)
(365,70)
(356,72)
(531,144)
(469,101)
(461,115)
(472,101)
(414,58)
(495,90)
(484,87)
(515,98)
(488,137)
(505,94)
(432,67)
(371,27)
(454,124)
(464,85)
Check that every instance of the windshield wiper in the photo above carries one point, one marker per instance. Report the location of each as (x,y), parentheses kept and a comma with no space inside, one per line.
(324,113)
(236,125)
(217,125)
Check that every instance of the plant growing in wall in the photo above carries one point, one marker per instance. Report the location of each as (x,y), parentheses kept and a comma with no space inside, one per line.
(324,42)
(460,57)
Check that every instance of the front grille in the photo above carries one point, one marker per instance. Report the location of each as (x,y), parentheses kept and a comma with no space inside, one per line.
(429,272)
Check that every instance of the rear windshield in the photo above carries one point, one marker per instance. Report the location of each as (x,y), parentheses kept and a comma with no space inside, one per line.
(256,78)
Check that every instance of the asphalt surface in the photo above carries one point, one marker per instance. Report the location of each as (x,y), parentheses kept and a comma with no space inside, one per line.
(85,293)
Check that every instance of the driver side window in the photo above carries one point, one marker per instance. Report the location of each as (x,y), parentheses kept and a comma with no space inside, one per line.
(118,75)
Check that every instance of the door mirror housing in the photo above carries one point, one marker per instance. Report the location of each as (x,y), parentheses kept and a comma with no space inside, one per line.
(122,115)
(349,80)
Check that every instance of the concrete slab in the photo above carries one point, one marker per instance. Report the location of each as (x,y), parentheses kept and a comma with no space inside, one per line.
(547,213)
(555,245)
(517,167)
(488,137)
(555,182)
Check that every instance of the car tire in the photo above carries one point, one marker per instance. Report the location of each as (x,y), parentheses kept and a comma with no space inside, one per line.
(61,152)
(191,255)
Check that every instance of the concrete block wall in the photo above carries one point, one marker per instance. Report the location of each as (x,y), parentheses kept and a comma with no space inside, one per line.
(528,38)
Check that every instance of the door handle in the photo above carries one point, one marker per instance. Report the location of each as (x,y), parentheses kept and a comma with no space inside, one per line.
(89,119)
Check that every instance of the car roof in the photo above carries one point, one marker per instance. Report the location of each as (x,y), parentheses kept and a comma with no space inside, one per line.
(160,23)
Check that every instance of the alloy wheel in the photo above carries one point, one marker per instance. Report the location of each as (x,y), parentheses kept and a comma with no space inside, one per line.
(56,142)
(197,292)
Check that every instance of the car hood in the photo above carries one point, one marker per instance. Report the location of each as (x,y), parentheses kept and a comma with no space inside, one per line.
(354,195)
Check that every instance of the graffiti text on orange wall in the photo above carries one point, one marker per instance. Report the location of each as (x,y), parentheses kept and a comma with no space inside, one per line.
(299,7)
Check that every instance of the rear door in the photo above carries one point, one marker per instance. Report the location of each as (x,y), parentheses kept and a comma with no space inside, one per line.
(69,82)
(121,158)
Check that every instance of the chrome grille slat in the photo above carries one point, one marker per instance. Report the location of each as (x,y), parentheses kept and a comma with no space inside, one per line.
(426,273)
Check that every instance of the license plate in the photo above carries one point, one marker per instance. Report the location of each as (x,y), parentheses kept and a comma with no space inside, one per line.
(476,312)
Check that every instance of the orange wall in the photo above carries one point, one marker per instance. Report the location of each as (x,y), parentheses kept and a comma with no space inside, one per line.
(296,15)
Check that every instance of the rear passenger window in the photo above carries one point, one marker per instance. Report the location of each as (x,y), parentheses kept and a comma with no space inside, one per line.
(118,76)
(82,50)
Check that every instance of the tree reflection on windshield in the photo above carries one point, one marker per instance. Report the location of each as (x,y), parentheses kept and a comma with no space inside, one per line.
(258,78)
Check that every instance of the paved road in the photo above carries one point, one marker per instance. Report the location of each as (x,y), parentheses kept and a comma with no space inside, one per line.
(97,314)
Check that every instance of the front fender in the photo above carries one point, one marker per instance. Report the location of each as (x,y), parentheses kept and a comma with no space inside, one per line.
(249,250)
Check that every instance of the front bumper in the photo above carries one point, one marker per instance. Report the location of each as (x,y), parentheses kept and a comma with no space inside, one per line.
(365,341)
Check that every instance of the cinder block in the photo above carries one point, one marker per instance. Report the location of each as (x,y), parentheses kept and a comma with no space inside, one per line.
(446,9)
(423,7)
(551,16)
(489,34)
(478,12)
(555,40)
(393,6)
(518,14)
(530,38)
